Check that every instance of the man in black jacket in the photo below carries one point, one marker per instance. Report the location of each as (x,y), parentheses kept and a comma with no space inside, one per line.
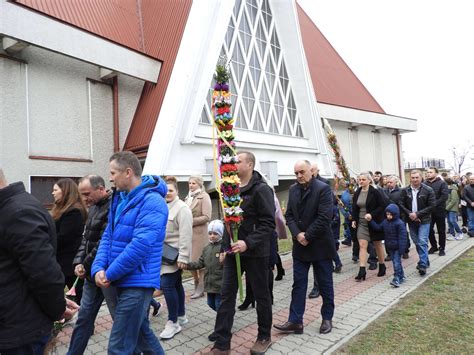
(254,237)
(93,191)
(438,214)
(31,281)
(468,196)
(315,290)
(417,201)
(308,216)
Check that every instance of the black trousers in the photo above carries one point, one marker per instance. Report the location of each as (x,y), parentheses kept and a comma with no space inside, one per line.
(439,219)
(256,271)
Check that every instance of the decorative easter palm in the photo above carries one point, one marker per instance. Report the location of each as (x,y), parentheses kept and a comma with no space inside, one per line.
(229,192)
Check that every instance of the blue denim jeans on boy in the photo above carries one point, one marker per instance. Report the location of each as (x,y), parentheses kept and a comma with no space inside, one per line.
(453,223)
(92,298)
(398,274)
(214,300)
(131,328)
(172,287)
(419,234)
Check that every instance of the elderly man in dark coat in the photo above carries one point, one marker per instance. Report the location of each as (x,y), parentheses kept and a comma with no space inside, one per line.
(308,217)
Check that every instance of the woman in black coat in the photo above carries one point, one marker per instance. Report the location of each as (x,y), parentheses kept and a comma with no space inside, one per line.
(368,201)
(69,214)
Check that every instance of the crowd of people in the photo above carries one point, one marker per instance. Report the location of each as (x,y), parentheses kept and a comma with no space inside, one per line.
(124,245)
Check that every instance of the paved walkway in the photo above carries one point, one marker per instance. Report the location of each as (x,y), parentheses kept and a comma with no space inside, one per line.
(357,304)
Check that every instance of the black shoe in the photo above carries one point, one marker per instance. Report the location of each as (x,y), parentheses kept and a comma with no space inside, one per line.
(212,336)
(433,250)
(156,309)
(289,327)
(326,327)
(422,271)
(246,305)
(388,258)
(361,275)
(314,293)
(405,256)
(464,229)
(355,259)
(347,242)
(280,274)
(338,269)
(382,270)
(442,252)
(373,266)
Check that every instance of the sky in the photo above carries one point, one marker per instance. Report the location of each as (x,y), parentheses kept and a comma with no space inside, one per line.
(416,58)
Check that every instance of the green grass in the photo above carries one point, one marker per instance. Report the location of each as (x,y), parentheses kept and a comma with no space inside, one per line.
(438,317)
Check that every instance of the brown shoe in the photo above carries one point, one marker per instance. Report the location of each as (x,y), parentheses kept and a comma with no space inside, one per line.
(215,351)
(326,327)
(289,327)
(261,346)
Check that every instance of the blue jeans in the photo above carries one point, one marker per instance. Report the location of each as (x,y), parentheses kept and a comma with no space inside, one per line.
(35,348)
(398,274)
(131,328)
(172,287)
(419,234)
(470,219)
(453,223)
(323,271)
(214,300)
(92,298)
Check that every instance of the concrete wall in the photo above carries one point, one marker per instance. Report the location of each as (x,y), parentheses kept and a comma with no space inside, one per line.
(50,108)
(364,148)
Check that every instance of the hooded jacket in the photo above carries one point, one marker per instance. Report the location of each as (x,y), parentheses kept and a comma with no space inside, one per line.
(452,204)
(131,247)
(31,281)
(394,230)
(258,222)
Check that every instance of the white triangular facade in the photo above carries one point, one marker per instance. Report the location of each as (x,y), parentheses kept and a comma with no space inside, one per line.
(272,95)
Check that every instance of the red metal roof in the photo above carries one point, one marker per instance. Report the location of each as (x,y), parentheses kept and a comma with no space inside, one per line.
(333,80)
(152,27)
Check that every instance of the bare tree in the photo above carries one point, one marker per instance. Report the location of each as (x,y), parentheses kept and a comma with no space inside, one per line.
(461,156)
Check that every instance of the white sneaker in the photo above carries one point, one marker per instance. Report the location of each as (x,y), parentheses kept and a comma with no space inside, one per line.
(459,236)
(183,320)
(171,329)
(450,237)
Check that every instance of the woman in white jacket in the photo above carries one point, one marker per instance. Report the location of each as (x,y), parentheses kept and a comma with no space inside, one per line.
(179,231)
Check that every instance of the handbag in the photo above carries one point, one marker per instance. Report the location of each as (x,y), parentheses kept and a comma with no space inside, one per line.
(169,255)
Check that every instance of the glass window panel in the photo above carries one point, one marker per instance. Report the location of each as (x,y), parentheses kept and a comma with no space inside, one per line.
(204,117)
(258,126)
(238,4)
(273,124)
(252,8)
(230,33)
(287,129)
(291,101)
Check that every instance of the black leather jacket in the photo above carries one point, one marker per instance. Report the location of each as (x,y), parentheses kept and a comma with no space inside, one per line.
(95,227)
(426,201)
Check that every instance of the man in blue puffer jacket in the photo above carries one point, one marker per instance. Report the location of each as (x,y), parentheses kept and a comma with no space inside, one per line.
(129,254)
(395,233)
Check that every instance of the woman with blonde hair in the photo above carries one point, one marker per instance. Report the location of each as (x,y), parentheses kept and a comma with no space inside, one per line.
(200,204)
(69,213)
(368,202)
(178,236)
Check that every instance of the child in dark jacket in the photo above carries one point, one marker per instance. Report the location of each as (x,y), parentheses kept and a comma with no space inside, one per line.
(212,260)
(395,234)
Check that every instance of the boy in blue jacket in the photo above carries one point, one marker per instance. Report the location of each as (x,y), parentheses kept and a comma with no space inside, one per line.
(395,234)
